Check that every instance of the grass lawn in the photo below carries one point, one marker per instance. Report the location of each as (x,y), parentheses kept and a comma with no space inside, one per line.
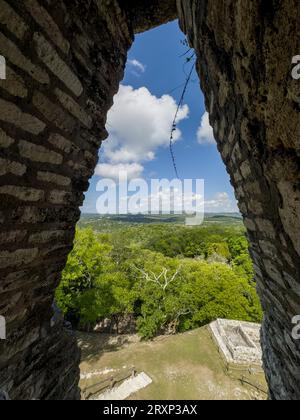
(182,367)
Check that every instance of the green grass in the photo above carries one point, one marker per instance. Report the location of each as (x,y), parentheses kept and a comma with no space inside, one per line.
(182,367)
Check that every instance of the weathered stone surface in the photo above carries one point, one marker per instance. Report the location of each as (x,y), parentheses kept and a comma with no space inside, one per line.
(22,193)
(266,227)
(250,225)
(53,110)
(46,236)
(11,52)
(60,142)
(59,197)
(238,342)
(74,108)
(244,51)
(11,167)
(58,67)
(147,14)
(10,19)
(12,114)
(53,113)
(17,258)
(53,178)
(5,140)
(67,62)
(43,18)
(39,153)
(12,236)
(290,212)
(14,84)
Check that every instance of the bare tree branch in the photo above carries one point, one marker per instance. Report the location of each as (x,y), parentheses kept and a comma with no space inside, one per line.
(156,279)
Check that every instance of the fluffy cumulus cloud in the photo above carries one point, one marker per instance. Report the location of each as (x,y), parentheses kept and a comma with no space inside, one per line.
(139,123)
(205,132)
(221,203)
(119,171)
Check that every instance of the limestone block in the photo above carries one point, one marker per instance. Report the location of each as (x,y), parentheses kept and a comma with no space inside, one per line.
(56,65)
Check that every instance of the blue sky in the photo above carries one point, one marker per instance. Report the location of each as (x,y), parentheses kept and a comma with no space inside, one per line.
(139,123)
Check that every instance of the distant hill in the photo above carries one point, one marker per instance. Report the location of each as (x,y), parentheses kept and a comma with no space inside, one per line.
(163,218)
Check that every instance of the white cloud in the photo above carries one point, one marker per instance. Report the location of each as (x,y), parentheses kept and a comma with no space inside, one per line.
(205,132)
(139,123)
(118,171)
(137,67)
(221,203)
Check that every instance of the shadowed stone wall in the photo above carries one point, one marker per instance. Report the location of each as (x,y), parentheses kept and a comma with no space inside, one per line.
(64,64)
(245,51)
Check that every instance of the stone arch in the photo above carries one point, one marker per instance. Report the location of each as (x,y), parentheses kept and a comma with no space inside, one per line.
(64,65)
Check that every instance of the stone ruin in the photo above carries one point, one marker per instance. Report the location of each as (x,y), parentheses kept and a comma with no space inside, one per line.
(64,62)
(239,342)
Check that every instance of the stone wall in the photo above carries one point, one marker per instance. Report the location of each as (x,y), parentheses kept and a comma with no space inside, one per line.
(147,14)
(245,51)
(64,64)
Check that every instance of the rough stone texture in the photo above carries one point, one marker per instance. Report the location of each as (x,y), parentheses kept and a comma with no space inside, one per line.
(239,342)
(64,66)
(147,14)
(65,62)
(245,50)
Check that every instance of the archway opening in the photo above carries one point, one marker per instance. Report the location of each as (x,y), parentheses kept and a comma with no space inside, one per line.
(54,103)
(132,271)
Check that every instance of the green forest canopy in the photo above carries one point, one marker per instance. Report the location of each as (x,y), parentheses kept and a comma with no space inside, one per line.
(172,278)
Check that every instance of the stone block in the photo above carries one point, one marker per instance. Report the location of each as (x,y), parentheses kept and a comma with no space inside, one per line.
(9,18)
(17,258)
(60,142)
(266,227)
(10,113)
(22,193)
(5,140)
(12,236)
(42,17)
(53,178)
(59,197)
(11,167)
(73,107)
(13,54)
(53,112)
(14,84)
(290,212)
(245,169)
(56,65)
(249,224)
(47,236)
(37,153)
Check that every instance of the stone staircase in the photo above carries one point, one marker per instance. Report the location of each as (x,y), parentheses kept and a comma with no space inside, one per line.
(127,388)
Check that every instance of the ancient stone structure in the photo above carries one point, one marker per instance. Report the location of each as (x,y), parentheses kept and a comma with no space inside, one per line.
(64,64)
(245,50)
(238,342)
